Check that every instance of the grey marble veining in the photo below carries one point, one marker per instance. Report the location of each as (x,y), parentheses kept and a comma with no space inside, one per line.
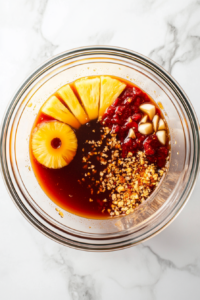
(166,266)
(182,38)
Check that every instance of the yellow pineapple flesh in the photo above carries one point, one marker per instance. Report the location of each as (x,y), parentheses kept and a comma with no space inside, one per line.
(89,93)
(110,89)
(55,109)
(68,96)
(43,144)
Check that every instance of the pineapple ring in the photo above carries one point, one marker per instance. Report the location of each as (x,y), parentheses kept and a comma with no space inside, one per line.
(54,144)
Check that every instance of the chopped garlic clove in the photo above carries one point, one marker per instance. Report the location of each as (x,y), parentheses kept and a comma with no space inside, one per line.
(146,128)
(162,137)
(161,125)
(155,122)
(131,134)
(129,120)
(149,109)
(144,119)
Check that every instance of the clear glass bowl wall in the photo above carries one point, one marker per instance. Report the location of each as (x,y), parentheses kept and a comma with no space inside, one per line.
(163,205)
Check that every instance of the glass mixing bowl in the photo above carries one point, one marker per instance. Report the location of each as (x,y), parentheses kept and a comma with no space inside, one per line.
(166,201)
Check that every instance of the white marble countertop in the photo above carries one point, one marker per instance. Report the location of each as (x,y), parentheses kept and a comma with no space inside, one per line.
(168,265)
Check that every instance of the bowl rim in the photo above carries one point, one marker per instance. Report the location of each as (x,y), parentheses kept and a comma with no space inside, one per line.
(78,52)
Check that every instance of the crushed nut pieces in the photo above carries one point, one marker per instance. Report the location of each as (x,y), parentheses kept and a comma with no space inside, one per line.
(129,181)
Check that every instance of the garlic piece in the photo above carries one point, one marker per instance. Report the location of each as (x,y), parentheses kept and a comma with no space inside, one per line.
(162,137)
(155,122)
(129,120)
(161,125)
(149,109)
(131,134)
(146,128)
(144,119)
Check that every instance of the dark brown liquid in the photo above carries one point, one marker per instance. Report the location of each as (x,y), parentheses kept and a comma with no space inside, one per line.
(56,143)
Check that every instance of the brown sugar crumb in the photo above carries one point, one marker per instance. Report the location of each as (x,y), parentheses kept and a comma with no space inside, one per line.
(160,105)
(59,212)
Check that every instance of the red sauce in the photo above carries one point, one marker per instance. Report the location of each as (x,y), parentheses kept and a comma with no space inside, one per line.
(66,187)
(124,114)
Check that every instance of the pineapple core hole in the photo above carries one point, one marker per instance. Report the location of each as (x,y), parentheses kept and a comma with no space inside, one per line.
(56,143)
